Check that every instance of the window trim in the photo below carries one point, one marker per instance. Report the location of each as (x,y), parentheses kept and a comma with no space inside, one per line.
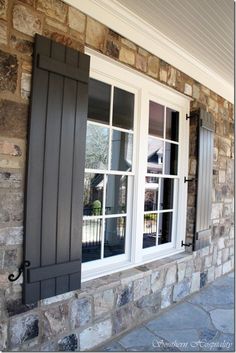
(145,89)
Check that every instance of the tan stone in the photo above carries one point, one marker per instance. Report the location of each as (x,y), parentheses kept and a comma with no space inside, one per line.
(76,20)
(58,25)
(141,63)
(3,8)
(128,44)
(127,56)
(212,104)
(10,163)
(25,85)
(3,33)
(143,52)
(163,75)
(205,90)
(26,66)
(171,77)
(95,34)
(196,91)
(224,146)
(53,8)
(221,176)
(153,66)
(26,20)
(9,148)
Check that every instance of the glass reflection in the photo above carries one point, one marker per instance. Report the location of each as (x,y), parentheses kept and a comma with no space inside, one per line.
(116,194)
(171,158)
(122,151)
(151,194)
(91,240)
(97,145)
(99,96)
(165,228)
(155,156)
(149,230)
(123,109)
(93,194)
(156,119)
(172,124)
(167,192)
(114,243)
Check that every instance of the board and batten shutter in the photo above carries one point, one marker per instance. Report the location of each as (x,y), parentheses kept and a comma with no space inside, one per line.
(55,172)
(205,152)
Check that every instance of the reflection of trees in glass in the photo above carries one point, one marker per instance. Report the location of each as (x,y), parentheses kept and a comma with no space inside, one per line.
(96,147)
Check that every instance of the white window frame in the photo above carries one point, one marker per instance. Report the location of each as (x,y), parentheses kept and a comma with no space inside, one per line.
(145,89)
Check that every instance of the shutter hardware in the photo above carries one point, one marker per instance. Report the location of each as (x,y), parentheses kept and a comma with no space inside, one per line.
(21,269)
(187,180)
(189,244)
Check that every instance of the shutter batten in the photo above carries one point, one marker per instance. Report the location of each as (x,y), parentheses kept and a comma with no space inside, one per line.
(53,216)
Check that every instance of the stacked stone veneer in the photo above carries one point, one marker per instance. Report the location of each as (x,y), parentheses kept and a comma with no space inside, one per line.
(112,304)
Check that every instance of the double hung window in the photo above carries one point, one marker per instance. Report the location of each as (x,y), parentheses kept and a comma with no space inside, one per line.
(136,160)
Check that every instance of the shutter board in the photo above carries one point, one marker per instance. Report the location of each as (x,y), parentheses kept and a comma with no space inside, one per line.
(204,178)
(54,199)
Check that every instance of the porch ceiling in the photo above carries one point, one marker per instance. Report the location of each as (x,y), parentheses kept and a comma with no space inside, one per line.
(203,28)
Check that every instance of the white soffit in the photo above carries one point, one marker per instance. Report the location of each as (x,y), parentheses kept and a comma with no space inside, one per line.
(141,21)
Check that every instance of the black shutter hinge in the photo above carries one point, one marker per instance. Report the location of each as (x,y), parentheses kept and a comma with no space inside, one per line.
(12,277)
(189,244)
(188,116)
(187,180)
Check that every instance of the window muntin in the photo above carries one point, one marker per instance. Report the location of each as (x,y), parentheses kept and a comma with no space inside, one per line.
(160,183)
(108,171)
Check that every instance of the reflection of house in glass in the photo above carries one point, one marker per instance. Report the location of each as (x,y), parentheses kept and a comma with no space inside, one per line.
(155,156)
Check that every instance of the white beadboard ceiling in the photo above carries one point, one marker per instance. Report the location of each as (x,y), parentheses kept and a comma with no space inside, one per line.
(204,28)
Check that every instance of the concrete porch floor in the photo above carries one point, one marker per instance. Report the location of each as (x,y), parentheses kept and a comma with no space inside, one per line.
(203,322)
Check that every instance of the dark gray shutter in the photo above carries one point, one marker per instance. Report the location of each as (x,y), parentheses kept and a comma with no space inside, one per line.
(204,179)
(56,153)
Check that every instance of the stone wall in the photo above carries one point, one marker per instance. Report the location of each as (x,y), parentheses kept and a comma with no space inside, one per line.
(112,304)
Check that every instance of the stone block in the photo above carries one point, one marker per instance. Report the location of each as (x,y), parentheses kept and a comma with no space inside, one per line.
(49,22)
(11,236)
(53,8)
(3,335)
(171,275)
(3,9)
(141,63)
(128,44)
(127,56)
(8,72)
(181,290)
(25,85)
(3,33)
(221,243)
(124,295)
(153,66)
(196,91)
(218,271)
(189,269)
(188,89)
(217,209)
(225,254)
(195,284)
(143,52)
(166,297)
(149,305)
(203,279)
(125,318)
(213,105)
(22,329)
(56,298)
(221,176)
(55,321)
(211,274)
(163,75)
(95,335)
(181,271)
(112,49)
(76,19)
(13,116)
(157,280)
(14,304)
(26,21)
(9,148)
(227,267)
(171,76)
(95,34)
(142,287)
(80,312)
(219,258)
(103,302)
(224,146)
(68,343)
(208,261)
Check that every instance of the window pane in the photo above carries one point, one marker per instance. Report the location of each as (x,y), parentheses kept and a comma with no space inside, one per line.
(91,240)
(123,109)
(167,192)
(155,156)
(97,145)
(114,236)
(99,101)
(151,194)
(156,119)
(93,194)
(122,151)
(172,124)
(171,158)
(149,230)
(116,194)
(165,228)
